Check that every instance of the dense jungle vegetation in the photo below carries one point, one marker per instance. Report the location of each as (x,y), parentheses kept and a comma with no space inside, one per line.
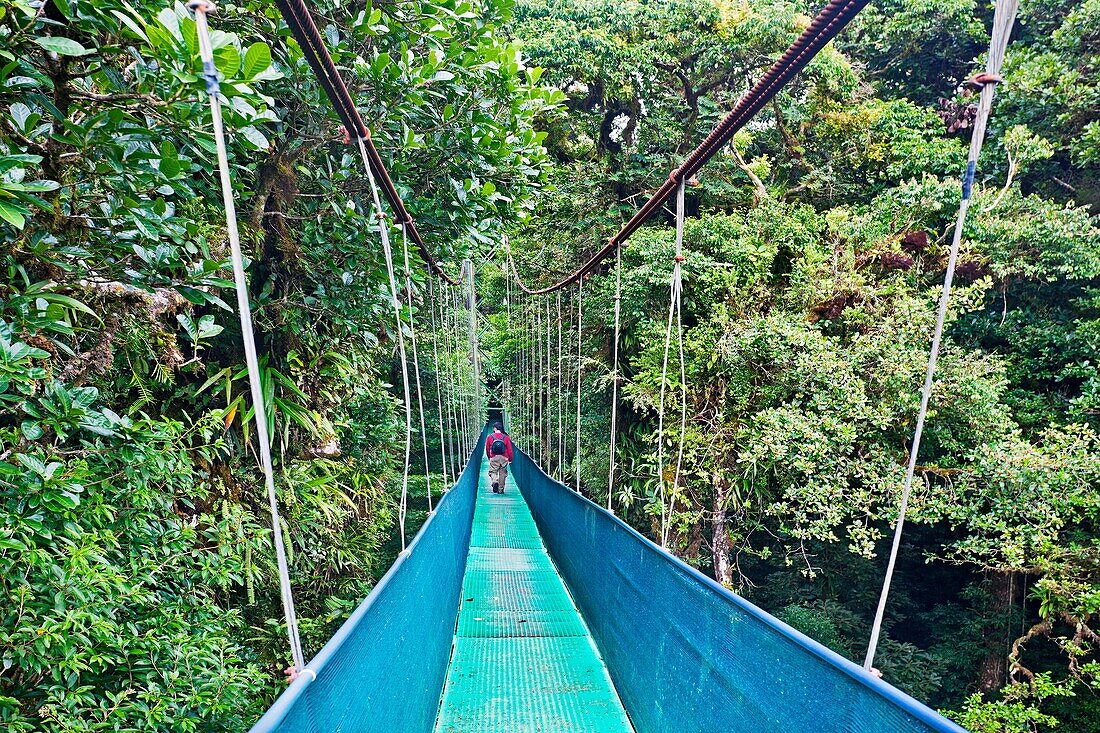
(137,587)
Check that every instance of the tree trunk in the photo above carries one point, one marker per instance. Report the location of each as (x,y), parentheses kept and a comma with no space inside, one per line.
(720,541)
(992,673)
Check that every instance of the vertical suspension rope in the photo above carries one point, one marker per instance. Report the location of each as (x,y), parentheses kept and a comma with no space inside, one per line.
(529,330)
(1003,19)
(453,445)
(210,74)
(536,319)
(580,321)
(460,412)
(561,434)
(508,329)
(549,418)
(468,394)
(438,386)
(462,397)
(673,312)
(384,234)
(476,413)
(615,377)
(416,365)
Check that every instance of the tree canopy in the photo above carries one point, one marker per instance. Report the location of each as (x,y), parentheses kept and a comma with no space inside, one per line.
(137,586)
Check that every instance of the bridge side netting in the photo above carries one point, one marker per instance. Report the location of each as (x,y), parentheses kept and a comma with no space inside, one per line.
(383,671)
(686,653)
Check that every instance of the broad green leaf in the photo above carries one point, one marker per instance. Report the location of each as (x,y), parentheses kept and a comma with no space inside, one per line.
(32,429)
(227,59)
(256,60)
(13,214)
(62,46)
(256,138)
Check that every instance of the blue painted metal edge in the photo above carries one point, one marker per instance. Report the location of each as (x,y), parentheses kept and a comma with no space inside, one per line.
(275,714)
(907,703)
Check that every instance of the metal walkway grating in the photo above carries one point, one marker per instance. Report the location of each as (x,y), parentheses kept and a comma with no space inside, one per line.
(523,661)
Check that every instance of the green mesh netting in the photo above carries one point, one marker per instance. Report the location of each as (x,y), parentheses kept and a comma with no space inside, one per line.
(512,653)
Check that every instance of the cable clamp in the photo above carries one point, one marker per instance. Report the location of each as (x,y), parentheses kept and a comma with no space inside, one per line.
(210,76)
(680,258)
(978,81)
(202,6)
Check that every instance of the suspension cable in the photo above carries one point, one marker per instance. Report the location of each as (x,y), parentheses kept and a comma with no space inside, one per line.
(210,74)
(580,364)
(1003,19)
(447,386)
(438,386)
(384,235)
(558,400)
(828,23)
(416,365)
(675,286)
(476,415)
(529,375)
(536,320)
(549,413)
(301,25)
(461,406)
(615,376)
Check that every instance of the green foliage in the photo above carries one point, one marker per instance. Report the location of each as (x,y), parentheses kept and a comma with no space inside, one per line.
(100,571)
(815,246)
(1014,712)
(139,589)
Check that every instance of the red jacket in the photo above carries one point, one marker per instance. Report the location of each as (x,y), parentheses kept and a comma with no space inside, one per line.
(497,435)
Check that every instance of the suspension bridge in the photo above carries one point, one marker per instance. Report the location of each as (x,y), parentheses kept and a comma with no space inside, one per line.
(536,610)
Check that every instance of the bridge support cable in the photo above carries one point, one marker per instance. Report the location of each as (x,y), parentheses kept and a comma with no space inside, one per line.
(454,442)
(301,25)
(558,399)
(438,389)
(457,387)
(469,394)
(832,19)
(536,327)
(507,386)
(532,425)
(201,8)
(384,235)
(477,402)
(463,395)
(1003,20)
(454,460)
(549,417)
(675,290)
(580,366)
(416,363)
(615,377)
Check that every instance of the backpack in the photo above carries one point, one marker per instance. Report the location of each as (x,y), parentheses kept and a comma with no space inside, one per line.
(497,447)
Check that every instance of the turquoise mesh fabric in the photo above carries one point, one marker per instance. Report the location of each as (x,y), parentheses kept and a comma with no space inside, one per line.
(686,654)
(384,669)
(523,660)
(681,652)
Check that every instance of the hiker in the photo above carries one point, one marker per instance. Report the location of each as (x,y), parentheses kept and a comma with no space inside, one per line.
(498,447)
